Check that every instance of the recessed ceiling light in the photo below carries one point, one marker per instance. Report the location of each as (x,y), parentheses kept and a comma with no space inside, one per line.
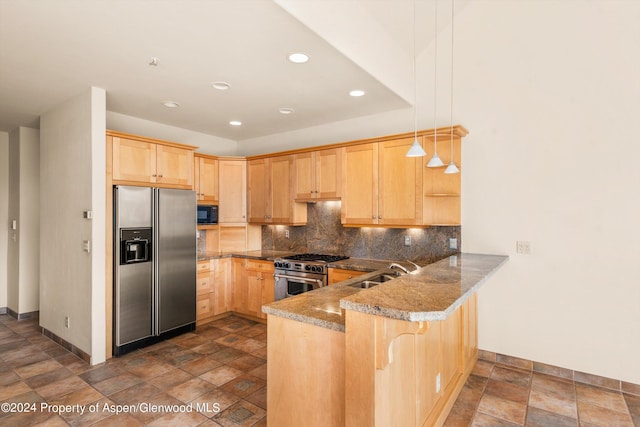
(285,110)
(298,58)
(356,92)
(221,85)
(235,123)
(170,104)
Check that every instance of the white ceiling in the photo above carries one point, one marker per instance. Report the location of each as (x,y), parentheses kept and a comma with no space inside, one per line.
(51,51)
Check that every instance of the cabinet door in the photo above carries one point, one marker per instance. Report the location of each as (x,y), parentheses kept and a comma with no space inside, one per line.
(134,160)
(304,176)
(268,291)
(207,179)
(233,190)
(400,184)
(327,173)
(280,201)
(239,288)
(174,166)
(254,293)
(360,185)
(257,173)
(221,283)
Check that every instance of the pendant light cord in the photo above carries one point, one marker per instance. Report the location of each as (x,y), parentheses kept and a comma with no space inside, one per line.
(435,73)
(451,114)
(415,85)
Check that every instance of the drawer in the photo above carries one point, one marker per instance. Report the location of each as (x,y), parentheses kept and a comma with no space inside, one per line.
(338,275)
(204,307)
(259,265)
(203,265)
(204,283)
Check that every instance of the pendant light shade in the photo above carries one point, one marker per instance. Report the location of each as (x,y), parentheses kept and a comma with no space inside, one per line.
(416,150)
(452,168)
(435,161)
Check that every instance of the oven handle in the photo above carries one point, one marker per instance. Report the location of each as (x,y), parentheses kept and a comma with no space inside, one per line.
(302,279)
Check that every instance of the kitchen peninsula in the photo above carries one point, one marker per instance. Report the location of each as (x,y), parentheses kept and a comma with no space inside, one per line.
(395,354)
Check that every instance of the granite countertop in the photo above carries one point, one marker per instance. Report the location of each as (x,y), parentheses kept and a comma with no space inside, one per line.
(432,292)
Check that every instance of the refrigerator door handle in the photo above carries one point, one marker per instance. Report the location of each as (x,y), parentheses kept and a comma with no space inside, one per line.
(156,275)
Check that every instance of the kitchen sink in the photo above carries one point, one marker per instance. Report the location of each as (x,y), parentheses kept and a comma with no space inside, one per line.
(374,281)
(365,284)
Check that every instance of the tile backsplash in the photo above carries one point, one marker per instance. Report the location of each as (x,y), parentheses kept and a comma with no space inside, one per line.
(325,234)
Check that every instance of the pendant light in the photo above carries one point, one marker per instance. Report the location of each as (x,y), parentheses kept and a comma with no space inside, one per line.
(416,149)
(452,168)
(435,161)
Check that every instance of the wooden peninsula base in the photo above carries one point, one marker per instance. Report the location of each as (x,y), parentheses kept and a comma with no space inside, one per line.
(379,372)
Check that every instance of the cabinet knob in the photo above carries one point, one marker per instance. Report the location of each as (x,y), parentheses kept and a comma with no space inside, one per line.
(379,216)
(373,217)
(154,175)
(160,175)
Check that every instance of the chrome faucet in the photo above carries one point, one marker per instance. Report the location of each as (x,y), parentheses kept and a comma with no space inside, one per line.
(398,266)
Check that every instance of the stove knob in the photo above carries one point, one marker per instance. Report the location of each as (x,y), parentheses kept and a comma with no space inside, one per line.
(287,265)
(308,267)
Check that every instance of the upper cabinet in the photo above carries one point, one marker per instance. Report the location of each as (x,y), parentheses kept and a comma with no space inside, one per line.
(317,175)
(232,181)
(206,178)
(381,186)
(442,192)
(143,160)
(270,192)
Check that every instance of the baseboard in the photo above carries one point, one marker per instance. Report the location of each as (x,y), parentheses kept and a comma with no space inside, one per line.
(3,310)
(23,316)
(72,348)
(556,371)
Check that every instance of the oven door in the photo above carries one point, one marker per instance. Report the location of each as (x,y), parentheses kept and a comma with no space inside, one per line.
(291,283)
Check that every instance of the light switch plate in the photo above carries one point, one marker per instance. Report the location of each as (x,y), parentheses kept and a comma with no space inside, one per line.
(453,243)
(407,240)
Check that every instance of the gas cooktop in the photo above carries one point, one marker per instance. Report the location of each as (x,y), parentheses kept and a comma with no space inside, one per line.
(316,257)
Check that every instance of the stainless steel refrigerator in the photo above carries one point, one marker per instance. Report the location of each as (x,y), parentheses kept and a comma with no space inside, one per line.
(154,265)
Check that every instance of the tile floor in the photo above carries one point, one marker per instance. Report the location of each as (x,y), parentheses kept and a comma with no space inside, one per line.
(221,369)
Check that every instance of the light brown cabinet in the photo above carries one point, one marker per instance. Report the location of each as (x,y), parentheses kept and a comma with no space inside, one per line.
(317,175)
(146,161)
(206,178)
(253,286)
(270,194)
(337,275)
(212,289)
(381,186)
(232,191)
(442,191)
(406,373)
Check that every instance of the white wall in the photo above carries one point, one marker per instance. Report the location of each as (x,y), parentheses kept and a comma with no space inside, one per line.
(24,207)
(72,181)
(4,216)
(208,144)
(550,92)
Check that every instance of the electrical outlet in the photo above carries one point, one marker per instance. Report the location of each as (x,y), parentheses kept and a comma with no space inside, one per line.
(438,383)
(407,240)
(86,246)
(286,234)
(523,247)
(67,322)
(453,243)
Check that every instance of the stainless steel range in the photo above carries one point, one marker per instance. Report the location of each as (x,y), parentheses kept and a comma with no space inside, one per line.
(296,274)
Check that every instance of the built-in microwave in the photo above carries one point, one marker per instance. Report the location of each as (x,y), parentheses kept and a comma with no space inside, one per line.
(207,214)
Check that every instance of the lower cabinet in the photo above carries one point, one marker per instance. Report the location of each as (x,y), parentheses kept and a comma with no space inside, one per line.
(253,286)
(212,289)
